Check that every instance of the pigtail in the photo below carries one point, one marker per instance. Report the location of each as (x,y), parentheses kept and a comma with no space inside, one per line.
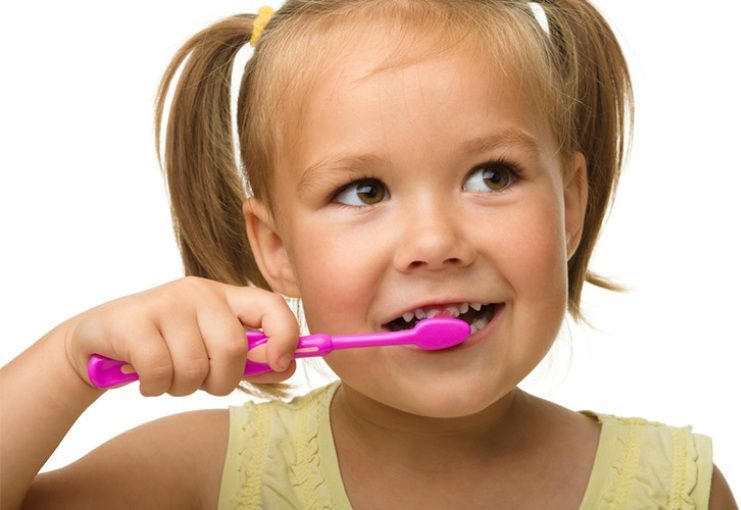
(595,74)
(206,191)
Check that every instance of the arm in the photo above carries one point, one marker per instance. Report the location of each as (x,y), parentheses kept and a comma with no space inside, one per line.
(41,398)
(182,336)
(173,462)
(721,497)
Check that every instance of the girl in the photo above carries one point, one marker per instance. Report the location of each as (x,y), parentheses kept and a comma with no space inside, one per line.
(423,157)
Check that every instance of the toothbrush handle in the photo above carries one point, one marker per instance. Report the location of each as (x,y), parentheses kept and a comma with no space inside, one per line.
(404,336)
(308,346)
(105,372)
(320,344)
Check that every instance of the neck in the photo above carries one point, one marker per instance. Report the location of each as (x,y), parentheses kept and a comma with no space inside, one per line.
(424,443)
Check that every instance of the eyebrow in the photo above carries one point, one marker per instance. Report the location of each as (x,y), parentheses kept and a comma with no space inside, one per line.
(355,163)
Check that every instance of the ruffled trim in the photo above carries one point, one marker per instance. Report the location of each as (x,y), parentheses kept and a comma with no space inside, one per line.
(623,466)
(307,477)
(684,469)
(642,463)
(275,447)
(252,446)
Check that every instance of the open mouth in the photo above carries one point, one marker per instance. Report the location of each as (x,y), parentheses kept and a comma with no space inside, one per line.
(478,315)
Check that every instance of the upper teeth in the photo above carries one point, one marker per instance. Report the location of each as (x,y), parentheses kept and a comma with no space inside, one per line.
(452,310)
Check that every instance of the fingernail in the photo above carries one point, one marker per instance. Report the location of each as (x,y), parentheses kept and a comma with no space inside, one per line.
(284,361)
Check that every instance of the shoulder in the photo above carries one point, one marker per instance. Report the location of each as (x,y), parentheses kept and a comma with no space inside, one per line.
(721,497)
(206,434)
(172,462)
(674,460)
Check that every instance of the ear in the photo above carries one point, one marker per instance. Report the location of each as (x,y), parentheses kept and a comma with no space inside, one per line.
(269,249)
(576,194)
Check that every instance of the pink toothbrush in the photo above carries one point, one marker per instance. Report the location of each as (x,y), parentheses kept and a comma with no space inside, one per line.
(428,334)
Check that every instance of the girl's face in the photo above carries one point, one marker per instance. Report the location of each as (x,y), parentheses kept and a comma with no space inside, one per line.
(416,219)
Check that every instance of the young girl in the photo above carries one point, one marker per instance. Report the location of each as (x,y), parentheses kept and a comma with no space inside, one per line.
(430,157)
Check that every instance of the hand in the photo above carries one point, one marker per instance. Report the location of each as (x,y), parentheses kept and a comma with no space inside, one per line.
(187,335)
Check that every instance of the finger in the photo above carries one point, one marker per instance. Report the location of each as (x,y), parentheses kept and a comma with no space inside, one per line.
(188,352)
(273,377)
(260,308)
(226,343)
(147,352)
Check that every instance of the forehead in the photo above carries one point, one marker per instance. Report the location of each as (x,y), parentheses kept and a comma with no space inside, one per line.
(379,95)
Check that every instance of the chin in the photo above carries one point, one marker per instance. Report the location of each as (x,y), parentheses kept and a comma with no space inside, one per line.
(446,401)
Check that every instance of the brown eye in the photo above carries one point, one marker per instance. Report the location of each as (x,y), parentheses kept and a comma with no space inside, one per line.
(497,178)
(362,192)
(490,177)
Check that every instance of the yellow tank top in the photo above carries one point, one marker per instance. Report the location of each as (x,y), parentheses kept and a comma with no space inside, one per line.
(282,456)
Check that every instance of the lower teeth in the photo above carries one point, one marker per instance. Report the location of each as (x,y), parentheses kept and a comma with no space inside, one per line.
(481,322)
(478,325)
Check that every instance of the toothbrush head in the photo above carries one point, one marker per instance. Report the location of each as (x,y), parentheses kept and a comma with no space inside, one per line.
(434,334)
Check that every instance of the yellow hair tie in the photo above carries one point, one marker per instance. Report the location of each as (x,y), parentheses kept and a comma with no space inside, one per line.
(264,14)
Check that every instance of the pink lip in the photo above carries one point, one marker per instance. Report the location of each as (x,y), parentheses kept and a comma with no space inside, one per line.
(470,342)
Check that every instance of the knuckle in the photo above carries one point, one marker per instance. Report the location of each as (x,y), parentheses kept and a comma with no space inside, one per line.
(166,302)
(219,390)
(170,297)
(234,348)
(278,301)
(148,390)
(155,379)
(270,298)
(158,373)
(182,391)
(145,391)
(196,369)
(222,385)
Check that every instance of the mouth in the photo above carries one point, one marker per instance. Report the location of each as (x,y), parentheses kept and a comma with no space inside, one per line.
(478,315)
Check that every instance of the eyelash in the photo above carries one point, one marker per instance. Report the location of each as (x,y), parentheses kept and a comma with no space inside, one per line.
(514,169)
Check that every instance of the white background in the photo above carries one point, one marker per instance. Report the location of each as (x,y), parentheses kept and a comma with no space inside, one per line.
(85,216)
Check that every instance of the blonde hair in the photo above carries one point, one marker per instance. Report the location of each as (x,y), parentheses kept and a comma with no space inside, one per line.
(574,71)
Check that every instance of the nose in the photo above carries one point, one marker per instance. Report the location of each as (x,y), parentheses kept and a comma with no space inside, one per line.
(433,238)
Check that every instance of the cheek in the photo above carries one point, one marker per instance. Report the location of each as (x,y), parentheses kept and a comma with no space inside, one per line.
(336,268)
(538,275)
(539,261)
(532,250)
